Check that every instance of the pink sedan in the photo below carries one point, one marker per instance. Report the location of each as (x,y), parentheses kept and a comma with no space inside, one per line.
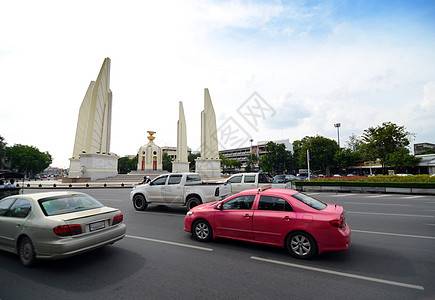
(277,217)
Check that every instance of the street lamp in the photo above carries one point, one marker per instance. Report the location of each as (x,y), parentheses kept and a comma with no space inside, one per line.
(251,140)
(337,125)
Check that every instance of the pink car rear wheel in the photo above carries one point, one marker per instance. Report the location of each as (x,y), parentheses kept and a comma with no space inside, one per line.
(301,245)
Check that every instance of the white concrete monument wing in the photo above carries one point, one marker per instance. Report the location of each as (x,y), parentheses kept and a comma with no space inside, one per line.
(208,165)
(91,153)
(181,135)
(209,144)
(181,164)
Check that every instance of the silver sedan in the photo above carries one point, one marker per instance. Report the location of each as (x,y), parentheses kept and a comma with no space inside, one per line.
(56,225)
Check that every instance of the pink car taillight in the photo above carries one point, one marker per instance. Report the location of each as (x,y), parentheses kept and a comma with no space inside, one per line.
(67,230)
(338,223)
(118,219)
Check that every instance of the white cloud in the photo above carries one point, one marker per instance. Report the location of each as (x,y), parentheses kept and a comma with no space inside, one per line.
(166,52)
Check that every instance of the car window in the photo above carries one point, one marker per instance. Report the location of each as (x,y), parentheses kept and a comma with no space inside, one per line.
(5,204)
(249,179)
(193,178)
(241,202)
(235,179)
(262,178)
(66,204)
(159,180)
(273,203)
(174,179)
(314,203)
(20,209)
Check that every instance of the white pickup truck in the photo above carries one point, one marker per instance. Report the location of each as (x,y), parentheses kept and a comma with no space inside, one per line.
(178,189)
(245,181)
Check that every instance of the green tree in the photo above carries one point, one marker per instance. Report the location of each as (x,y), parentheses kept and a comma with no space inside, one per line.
(300,159)
(28,159)
(382,141)
(2,152)
(229,164)
(427,151)
(401,159)
(166,162)
(354,143)
(345,158)
(277,159)
(252,160)
(322,153)
(126,165)
(191,158)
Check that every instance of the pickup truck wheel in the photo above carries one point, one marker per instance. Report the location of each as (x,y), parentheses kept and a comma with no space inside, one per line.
(192,202)
(202,231)
(139,202)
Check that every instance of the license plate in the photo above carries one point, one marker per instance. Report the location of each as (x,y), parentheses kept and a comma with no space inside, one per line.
(96,225)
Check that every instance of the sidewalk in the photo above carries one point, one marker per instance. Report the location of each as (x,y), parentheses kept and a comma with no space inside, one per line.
(51,184)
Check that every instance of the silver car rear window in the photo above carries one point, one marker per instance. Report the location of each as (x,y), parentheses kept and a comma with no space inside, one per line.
(67,204)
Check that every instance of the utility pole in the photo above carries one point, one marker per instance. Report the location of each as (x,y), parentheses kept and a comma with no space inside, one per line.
(308,162)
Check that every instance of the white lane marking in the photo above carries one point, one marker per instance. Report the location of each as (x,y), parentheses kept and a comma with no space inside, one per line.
(430,224)
(397,234)
(169,243)
(343,195)
(405,285)
(412,197)
(378,196)
(377,203)
(430,202)
(385,214)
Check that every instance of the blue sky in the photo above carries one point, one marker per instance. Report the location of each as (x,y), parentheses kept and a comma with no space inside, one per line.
(316,63)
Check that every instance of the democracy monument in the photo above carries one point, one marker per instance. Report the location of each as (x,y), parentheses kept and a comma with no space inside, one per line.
(92,159)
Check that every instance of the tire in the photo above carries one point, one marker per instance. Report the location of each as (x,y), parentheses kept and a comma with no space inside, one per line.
(301,245)
(192,202)
(139,202)
(202,231)
(26,252)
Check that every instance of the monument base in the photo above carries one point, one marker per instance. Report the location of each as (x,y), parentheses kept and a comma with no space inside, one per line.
(180,167)
(94,166)
(208,168)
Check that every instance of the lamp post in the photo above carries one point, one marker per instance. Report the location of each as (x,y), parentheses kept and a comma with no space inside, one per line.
(337,125)
(251,140)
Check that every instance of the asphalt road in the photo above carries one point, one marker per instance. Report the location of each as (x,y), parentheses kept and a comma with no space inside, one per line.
(392,256)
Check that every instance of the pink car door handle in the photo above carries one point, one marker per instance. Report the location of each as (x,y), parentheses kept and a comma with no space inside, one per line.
(287,218)
(247,216)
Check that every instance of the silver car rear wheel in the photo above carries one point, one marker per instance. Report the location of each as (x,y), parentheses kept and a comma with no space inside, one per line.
(26,252)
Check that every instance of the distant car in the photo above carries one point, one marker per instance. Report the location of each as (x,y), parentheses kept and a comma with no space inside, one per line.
(56,225)
(279,178)
(290,178)
(282,178)
(278,217)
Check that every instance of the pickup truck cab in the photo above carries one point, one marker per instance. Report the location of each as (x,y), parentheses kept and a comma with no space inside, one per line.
(245,181)
(183,189)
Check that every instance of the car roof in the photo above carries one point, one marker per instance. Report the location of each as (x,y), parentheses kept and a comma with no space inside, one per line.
(270,192)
